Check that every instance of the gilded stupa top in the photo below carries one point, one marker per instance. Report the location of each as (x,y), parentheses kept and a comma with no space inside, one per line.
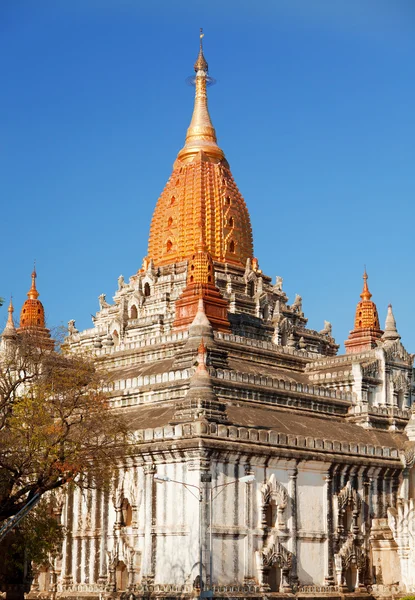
(366,311)
(366,332)
(32,315)
(201,199)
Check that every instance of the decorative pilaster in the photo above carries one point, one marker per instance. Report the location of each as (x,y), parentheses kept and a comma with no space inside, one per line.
(249,546)
(329,493)
(386,491)
(292,493)
(379,494)
(102,577)
(131,570)
(366,482)
(150,516)
(67,544)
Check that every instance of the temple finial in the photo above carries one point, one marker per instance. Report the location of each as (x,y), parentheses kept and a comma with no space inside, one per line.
(365,295)
(33,294)
(201,64)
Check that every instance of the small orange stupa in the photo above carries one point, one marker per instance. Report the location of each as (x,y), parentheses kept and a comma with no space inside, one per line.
(200,284)
(200,195)
(366,332)
(32,315)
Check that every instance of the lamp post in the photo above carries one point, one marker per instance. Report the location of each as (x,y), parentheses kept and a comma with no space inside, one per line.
(205,478)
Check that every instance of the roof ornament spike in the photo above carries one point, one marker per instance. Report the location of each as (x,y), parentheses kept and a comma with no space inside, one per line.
(201,64)
(391,332)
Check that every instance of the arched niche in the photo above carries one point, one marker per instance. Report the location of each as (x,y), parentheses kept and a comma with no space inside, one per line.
(121,576)
(126,513)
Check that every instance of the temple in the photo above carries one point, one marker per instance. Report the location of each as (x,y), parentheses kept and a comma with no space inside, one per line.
(301,460)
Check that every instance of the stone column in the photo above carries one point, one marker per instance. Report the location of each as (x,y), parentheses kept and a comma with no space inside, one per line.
(329,492)
(67,544)
(356,512)
(102,576)
(292,494)
(366,504)
(405,484)
(131,570)
(83,566)
(199,467)
(150,539)
(380,496)
(372,493)
(249,577)
(387,491)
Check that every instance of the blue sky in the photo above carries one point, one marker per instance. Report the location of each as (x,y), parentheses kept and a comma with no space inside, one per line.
(314,108)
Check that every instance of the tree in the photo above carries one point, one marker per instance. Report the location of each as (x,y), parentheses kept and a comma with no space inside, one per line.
(56,424)
(36,541)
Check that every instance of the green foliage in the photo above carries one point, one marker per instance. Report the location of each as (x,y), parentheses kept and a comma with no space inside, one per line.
(56,423)
(1,301)
(37,539)
(408,598)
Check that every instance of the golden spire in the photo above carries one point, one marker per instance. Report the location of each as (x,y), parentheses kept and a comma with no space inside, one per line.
(201,134)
